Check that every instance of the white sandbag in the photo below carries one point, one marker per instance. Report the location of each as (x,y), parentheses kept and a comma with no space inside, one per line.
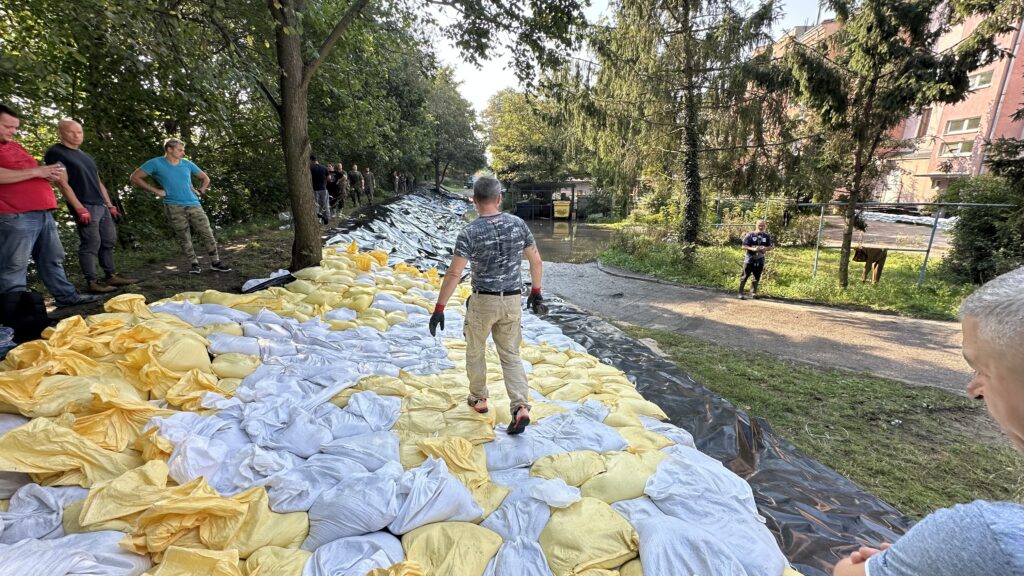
(297,489)
(373,450)
(521,450)
(35,512)
(366,412)
(572,432)
(223,343)
(343,314)
(510,478)
(355,555)
(254,282)
(284,427)
(668,430)
(196,456)
(252,466)
(361,504)
(519,557)
(525,512)
(90,554)
(697,489)
(429,493)
(200,314)
(671,546)
(11,421)
(253,329)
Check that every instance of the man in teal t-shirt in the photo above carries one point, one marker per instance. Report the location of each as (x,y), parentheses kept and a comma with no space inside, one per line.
(181,200)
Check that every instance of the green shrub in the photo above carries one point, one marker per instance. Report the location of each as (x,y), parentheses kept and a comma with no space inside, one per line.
(986,241)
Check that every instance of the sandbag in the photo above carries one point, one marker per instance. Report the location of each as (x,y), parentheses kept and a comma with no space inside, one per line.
(363,503)
(625,476)
(574,468)
(355,555)
(451,548)
(274,561)
(36,512)
(190,561)
(430,494)
(588,534)
(96,554)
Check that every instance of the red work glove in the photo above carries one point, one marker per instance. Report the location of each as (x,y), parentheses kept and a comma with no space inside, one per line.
(83,216)
(115,213)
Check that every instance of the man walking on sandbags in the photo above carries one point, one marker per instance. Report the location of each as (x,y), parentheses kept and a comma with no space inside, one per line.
(495,243)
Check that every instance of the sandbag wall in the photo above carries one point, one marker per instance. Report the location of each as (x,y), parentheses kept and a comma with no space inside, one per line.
(317,428)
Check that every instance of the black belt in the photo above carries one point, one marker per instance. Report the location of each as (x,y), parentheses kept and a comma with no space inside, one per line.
(505,293)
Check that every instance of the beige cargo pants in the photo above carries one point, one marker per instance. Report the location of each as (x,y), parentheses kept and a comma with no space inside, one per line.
(183,217)
(499,317)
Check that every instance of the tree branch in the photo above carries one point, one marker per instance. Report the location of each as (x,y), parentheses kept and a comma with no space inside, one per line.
(351,12)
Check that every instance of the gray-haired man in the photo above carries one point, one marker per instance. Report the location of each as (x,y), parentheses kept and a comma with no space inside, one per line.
(980,538)
(495,244)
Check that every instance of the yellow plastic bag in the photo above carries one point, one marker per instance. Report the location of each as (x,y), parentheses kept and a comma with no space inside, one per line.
(468,463)
(625,476)
(187,392)
(586,535)
(640,438)
(573,467)
(117,503)
(235,365)
(194,561)
(275,561)
(31,393)
(59,457)
(451,548)
(114,417)
(632,568)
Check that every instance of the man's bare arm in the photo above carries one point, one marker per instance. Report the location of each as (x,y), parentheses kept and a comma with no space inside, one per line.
(536,266)
(139,179)
(451,279)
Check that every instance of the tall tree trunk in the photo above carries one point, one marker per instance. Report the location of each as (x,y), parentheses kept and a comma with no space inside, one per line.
(306,246)
(444,171)
(691,165)
(437,172)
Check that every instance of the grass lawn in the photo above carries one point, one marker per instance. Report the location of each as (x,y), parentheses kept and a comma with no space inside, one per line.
(788,275)
(917,448)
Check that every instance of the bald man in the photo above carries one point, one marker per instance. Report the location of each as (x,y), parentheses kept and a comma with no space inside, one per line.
(89,202)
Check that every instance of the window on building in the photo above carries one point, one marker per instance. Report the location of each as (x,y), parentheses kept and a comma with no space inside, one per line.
(964,148)
(923,122)
(963,125)
(980,80)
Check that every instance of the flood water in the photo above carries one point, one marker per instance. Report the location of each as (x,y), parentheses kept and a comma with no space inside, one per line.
(565,241)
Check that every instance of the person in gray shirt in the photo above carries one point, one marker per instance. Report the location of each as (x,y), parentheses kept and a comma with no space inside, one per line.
(495,244)
(980,538)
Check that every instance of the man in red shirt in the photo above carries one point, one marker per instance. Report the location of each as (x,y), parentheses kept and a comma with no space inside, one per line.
(27,228)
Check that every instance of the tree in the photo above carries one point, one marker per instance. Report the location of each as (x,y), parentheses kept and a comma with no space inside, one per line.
(454,143)
(880,68)
(524,145)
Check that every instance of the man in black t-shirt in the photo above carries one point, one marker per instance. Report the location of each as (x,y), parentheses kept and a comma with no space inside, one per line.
(88,200)
(318,172)
(755,245)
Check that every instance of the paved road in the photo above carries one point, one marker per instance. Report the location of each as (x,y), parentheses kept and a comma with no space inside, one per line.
(919,352)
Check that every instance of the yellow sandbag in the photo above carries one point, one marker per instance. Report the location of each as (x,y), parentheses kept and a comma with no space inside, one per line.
(31,393)
(117,503)
(114,417)
(372,322)
(468,463)
(790,572)
(301,287)
(5,505)
(586,535)
(400,569)
(153,446)
(632,568)
(626,412)
(130,303)
(451,548)
(363,262)
(379,256)
(464,422)
(625,476)
(229,328)
(357,301)
(342,325)
(187,393)
(313,273)
(640,438)
(193,561)
(353,248)
(573,467)
(75,334)
(396,317)
(39,354)
(275,561)
(235,365)
(59,456)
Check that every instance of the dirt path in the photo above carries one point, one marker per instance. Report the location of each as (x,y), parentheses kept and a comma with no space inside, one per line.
(918,352)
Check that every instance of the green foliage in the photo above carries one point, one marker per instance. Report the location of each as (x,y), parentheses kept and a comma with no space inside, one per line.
(987,242)
(788,275)
(524,145)
(454,143)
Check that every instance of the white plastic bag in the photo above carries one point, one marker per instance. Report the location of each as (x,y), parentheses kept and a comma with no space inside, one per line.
(361,504)
(91,554)
(429,493)
(355,555)
(36,512)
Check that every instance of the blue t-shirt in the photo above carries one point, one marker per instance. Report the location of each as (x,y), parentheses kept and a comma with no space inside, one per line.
(175,180)
(977,539)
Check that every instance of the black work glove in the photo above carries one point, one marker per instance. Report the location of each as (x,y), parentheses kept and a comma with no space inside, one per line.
(437,319)
(535,302)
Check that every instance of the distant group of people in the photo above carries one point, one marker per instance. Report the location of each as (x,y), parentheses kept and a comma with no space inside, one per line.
(332,184)
(29,231)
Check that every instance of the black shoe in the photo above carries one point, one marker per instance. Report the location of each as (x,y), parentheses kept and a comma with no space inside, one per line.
(79,300)
(520,420)
(220,266)
(755,296)
(195,269)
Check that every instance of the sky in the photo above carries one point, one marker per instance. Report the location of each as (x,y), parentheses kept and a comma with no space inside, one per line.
(479,84)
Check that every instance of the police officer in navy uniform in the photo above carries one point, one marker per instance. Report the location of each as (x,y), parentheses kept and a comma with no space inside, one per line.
(755,245)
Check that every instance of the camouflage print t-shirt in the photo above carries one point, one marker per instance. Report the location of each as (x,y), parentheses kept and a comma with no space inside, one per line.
(494,247)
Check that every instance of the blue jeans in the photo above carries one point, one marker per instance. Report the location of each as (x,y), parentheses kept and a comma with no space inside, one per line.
(33,234)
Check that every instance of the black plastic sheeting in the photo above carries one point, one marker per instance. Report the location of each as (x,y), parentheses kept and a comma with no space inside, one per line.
(418,228)
(817,515)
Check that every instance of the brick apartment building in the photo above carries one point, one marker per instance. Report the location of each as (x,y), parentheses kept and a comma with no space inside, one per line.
(945,141)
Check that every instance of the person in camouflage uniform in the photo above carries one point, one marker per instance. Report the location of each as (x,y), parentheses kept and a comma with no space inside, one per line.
(495,244)
(343,187)
(371,183)
(355,181)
